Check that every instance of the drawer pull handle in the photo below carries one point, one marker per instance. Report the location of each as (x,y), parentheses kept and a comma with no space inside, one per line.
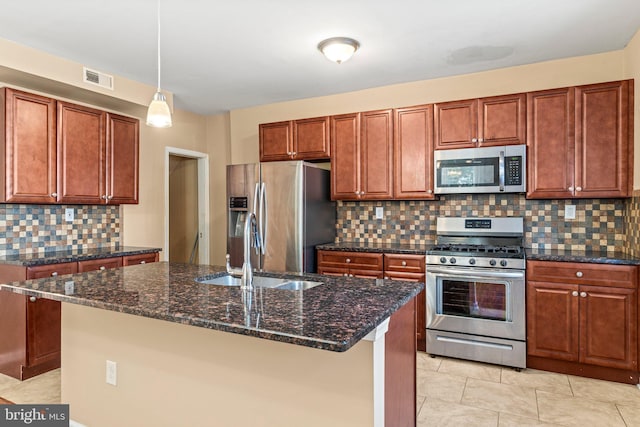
(32,299)
(579,274)
(348,260)
(404,263)
(583,294)
(54,274)
(143,262)
(574,293)
(102,267)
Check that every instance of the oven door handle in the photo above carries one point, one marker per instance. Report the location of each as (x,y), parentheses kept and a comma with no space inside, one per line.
(457,272)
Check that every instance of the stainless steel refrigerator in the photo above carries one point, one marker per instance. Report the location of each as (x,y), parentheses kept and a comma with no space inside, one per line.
(292,203)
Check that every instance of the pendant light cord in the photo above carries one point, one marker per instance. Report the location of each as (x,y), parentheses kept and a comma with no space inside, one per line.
(158,45)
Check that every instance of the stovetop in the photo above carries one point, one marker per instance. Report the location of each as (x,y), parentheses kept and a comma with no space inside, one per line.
(496,251)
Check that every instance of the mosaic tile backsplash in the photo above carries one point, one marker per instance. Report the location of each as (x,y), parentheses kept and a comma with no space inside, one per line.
(40,228)
(600,224)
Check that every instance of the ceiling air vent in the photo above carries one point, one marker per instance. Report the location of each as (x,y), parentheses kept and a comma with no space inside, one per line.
(97,78)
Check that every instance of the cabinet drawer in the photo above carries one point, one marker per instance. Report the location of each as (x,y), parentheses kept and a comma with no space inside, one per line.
(621,276)
(404,263)
(140,259)
(352,260)
(50,270)
(99,264)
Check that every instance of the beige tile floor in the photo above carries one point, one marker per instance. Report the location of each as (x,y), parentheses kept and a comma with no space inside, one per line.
(453,392)
(457,393)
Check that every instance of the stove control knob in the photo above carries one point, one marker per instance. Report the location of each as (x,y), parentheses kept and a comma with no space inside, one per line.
(503,263)
(443,260)
(472,261)
(452,260)
(492,262)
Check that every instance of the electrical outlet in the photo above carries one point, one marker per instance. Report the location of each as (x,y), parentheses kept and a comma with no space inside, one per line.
(68,214)
(111,372)
(379,212)
(69,287)
(570,212)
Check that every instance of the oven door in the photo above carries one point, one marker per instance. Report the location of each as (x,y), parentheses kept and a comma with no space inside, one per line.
(478,301)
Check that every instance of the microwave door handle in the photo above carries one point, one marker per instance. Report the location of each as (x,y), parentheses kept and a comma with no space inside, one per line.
(501,170)
(264,217)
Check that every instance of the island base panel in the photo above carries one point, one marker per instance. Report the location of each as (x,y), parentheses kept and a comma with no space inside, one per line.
(171,374)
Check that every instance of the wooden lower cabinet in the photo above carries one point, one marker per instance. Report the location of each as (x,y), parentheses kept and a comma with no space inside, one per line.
(370,265)
(30,326)
(411,268)
(350,264)
(582,319)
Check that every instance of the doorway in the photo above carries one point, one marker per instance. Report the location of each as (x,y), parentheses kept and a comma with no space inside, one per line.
(186,206)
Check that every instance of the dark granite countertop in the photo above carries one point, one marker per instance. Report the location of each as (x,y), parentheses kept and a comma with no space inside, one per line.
(333,316)
(391,248)
(56,257)
(598,257)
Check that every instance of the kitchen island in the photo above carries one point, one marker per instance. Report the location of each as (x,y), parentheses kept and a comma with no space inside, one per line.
(189,353)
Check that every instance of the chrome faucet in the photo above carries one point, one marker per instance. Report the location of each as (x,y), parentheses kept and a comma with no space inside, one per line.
(251,238)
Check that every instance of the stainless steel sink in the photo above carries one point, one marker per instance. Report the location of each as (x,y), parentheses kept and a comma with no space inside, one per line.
(298,285)
(260,281)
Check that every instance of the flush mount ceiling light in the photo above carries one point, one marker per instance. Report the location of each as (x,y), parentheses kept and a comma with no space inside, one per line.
(159,115)
(338,49)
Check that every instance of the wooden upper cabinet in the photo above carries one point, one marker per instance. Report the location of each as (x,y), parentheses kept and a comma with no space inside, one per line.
(456,124)
(305,139)
(413,153)
(579,141)
(345,159)
(28,147)
(81,153)
(311,139)
(550,143)
(276,141)
(502,120)
(122,159)
(497,120)
(376,145)
(604,153)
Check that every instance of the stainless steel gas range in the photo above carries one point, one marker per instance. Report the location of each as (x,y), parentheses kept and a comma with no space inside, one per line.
(476,290)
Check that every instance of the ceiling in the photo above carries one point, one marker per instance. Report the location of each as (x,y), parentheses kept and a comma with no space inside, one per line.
(219,56)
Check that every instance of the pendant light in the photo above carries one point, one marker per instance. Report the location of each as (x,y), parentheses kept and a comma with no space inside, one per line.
(159,115)
(338,49)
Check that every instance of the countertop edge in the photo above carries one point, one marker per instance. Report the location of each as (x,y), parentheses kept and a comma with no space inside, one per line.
(62,258)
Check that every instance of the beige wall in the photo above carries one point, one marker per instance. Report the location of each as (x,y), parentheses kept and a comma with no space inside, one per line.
(632,71)
(169,374)
(543,75)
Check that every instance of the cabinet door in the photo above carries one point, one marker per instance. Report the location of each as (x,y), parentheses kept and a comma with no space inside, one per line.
(552,320)
(603,149)
(122,159)
(413,153)
(275,141)
(608,327)
(81,154)
(28,144)
(376,147)
(43,331)
(550,144)
(345,158)
(456,124)
(502,120)
(311,139)
(140,259)
(421,304)
(99,264)
(51,270)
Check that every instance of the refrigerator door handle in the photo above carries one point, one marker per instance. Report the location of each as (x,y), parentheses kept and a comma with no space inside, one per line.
(264,217)
(255,198)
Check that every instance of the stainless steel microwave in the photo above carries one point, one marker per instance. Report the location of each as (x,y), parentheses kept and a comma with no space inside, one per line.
(501,169)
